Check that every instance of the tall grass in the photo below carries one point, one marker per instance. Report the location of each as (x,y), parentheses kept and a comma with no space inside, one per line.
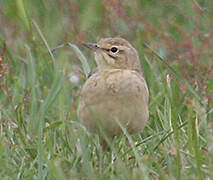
(40,135)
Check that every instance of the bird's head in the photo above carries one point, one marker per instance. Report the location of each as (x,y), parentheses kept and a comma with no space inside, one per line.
(115,53)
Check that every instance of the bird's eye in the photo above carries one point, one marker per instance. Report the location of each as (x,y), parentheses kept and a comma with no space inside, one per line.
(114,49)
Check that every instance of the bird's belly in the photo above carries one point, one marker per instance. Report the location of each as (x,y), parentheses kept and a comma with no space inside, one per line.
(109,98)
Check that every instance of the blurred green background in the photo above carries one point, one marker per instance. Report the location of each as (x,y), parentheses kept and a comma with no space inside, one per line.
(40,136)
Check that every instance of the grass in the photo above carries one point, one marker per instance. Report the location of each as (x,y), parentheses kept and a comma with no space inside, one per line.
(40,135)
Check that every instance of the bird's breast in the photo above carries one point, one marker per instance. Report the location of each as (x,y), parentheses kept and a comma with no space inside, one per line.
(114,84)
(114,95)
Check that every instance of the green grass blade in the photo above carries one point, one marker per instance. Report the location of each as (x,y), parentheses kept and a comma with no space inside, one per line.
(23,14)
(86,67)
(45,41)
(31,78)
(55,89)
(137,156)
(191,89)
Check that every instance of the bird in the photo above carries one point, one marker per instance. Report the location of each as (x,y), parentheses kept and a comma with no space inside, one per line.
(116,92)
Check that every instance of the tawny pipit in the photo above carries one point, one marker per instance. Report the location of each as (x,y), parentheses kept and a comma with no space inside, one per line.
(116,91)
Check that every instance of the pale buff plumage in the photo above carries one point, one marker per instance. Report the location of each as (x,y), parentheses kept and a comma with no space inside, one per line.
(116,91)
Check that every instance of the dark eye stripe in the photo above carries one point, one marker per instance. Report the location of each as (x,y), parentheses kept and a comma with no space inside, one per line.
(114,57)
(111,56)
(105,49)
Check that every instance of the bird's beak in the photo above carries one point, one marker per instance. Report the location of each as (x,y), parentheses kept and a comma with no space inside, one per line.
(91,46)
